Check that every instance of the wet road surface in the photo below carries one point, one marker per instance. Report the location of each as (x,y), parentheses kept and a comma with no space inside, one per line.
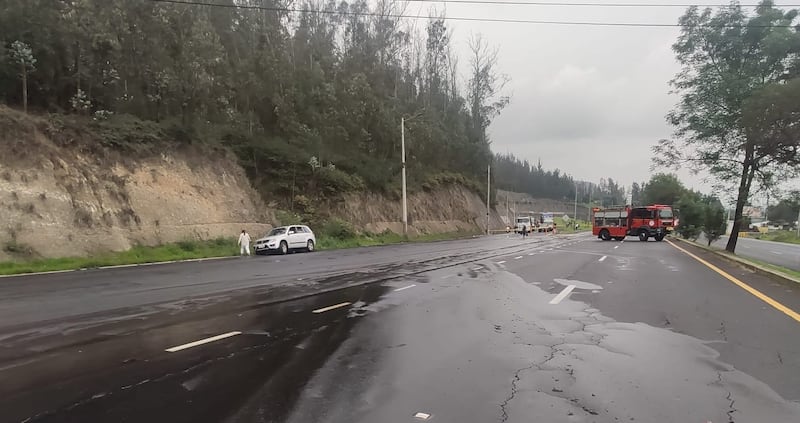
(777,253)
(551,329)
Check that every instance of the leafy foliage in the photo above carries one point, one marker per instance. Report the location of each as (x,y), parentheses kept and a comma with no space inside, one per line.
(276,87)
(714,224)
(663,188)
(734,118)
(787,209)
(517,175)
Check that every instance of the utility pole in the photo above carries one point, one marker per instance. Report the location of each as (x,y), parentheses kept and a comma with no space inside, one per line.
(488,194)
(798,224)
(508,215)
(589,212)
(575,212)
(403,147)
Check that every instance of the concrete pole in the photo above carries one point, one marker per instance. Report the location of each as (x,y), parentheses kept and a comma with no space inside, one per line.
(488,195)
(798,224)
(575,212)
(403,147)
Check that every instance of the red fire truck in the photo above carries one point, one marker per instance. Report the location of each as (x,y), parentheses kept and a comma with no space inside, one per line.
(618,222)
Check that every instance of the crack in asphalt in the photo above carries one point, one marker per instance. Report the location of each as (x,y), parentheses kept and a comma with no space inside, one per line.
(504,404)
(731,408)
(517,378)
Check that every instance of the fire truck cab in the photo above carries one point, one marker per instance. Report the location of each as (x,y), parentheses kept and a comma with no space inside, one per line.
(644,222)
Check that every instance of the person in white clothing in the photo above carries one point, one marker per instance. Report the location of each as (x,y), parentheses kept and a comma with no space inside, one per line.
(244,243)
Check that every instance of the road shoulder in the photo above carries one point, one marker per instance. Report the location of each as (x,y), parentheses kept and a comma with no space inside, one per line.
(741,261)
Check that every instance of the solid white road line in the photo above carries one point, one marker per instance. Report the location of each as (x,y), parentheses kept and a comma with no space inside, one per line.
(203,341)
(501,262)
(602,258)
(563,294)
(517,257)
(405,287)
(329,308)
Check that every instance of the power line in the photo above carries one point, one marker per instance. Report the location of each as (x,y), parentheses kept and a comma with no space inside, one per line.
(458,18)
(582,4)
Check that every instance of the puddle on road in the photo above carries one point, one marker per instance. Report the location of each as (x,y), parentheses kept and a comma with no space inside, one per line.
(493,350)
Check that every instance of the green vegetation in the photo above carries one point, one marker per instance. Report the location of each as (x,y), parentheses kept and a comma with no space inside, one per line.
(780,236)
(698,213)
(335,235)
(568,227)
(513,174)
(786,211)
(739,93)
(779,269)
(309,100)
(385,238)
(182,250)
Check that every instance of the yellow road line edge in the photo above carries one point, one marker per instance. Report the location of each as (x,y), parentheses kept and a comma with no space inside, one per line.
(756,293)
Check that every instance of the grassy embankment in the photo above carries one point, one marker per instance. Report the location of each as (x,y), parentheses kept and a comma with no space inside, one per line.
(185,250)
(780,236)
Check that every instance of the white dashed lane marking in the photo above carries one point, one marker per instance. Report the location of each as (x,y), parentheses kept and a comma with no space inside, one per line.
(329,308)
(202,341)
(517,257)
(602,258)
(405,287)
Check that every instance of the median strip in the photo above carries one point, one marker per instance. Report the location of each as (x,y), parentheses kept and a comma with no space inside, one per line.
(329,308)
(202,341)
(756,293)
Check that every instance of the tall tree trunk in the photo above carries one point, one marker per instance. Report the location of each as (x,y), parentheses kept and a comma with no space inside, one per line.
(748,171)
(24,88)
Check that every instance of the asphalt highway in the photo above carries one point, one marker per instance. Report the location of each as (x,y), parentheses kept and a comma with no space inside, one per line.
(777,253)
(561,328)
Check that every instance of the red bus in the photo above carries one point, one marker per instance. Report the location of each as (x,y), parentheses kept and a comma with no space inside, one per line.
(655,221)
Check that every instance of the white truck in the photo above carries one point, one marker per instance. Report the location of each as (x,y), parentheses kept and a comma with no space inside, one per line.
(523,221)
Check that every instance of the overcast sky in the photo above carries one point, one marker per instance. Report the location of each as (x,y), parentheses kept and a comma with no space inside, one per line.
(590,101)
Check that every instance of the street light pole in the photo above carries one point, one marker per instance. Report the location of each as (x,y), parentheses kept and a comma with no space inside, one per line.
(488,194)
(403,147)
(798,224)
(575,212)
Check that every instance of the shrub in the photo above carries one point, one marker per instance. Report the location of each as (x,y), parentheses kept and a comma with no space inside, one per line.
(338,229)
(187,245)
(19,249)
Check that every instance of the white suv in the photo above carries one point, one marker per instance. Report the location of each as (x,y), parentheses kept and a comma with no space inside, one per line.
(286,238)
